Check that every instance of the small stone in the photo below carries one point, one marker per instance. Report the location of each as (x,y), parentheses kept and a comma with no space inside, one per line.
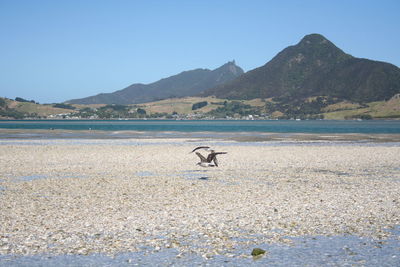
(257,252)
(180,255)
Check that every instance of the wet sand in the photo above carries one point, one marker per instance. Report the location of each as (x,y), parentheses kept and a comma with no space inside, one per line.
(110,197)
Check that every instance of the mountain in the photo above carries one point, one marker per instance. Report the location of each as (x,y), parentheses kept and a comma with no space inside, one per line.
(314,67)
(187,83)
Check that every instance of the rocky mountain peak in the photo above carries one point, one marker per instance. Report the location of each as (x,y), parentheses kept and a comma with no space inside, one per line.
(231,67)
(314,38)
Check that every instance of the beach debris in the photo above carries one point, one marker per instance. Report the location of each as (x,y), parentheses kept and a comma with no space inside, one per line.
(211,160)
(257,252)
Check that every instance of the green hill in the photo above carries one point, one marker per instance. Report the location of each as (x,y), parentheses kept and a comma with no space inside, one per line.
(314,67)
(12,109)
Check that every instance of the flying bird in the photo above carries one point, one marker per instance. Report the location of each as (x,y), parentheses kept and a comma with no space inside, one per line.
(211,160)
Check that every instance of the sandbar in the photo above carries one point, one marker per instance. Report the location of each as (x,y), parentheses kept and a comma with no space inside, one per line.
(110,197)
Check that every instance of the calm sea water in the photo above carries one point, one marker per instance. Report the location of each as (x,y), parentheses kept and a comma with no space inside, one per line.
(268,126)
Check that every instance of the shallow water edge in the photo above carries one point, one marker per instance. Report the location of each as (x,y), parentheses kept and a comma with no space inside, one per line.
(345,250)
(31,134)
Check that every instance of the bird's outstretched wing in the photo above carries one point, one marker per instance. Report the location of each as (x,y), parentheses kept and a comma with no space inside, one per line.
(212,156)
(200,147)
(202,158)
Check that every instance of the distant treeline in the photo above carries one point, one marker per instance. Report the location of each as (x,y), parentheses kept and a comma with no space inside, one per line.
(65,106)
(199,105)
(20,99)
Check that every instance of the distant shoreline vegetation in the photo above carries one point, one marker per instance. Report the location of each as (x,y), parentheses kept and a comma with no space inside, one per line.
(313,108)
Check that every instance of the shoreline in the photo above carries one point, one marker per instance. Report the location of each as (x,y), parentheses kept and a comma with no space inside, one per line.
(29,134)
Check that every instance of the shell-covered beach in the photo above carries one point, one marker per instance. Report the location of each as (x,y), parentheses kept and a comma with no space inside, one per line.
(86,197)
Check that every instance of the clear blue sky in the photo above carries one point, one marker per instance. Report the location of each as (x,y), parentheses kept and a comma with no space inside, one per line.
(52,51)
